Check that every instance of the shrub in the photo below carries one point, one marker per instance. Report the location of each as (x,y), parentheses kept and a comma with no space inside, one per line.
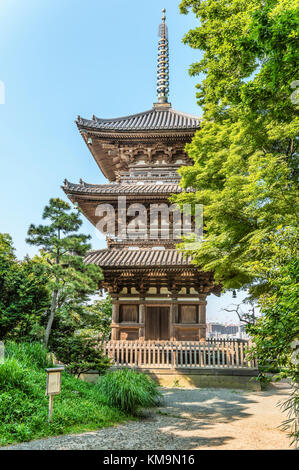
(81,354)
(24,405)
(129,390)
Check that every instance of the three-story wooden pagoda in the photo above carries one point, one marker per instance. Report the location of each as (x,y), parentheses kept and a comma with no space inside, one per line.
(157,293)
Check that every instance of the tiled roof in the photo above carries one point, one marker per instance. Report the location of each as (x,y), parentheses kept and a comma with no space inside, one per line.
(156,118)
(142,257)
(122,188)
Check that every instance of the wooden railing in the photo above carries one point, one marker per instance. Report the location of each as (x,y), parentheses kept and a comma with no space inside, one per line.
(180,354)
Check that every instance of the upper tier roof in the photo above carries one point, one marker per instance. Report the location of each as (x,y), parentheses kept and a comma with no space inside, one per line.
(157,118)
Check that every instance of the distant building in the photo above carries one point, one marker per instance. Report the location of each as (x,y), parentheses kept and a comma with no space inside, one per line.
(221,330)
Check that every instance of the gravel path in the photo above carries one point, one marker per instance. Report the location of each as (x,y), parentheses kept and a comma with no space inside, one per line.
(190,419)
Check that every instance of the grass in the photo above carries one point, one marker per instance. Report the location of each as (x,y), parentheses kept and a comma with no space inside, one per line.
(129,390)
(24,406)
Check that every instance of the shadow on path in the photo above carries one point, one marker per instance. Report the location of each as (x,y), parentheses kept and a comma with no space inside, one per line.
(187,420)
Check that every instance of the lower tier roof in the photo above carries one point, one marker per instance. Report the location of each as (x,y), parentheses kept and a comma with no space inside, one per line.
(121,268)
(121,188)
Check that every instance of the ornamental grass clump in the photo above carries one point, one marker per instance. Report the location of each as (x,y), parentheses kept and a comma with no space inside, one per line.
(129,391)
(29,354)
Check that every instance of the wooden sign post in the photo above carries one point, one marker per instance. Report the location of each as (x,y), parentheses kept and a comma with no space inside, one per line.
(2,349)
(53,386)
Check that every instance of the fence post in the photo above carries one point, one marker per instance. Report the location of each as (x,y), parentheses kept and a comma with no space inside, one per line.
(173,355)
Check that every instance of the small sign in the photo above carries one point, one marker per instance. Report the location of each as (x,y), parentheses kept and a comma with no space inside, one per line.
(2,350)
(53,381)
(53,386)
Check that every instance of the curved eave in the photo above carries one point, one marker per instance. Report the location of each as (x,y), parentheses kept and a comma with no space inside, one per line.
(156,119)
(103,131)
(105,160)
(135,133)
(117,261)
(88,196)
(99,156)
(125,189)
(125,259)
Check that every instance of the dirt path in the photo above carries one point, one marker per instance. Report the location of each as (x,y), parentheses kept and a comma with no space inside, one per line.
(191,419)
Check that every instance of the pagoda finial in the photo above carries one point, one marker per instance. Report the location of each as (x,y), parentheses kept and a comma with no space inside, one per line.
(163,62)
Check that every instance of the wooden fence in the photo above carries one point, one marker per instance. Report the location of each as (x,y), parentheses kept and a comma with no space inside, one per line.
(181,354)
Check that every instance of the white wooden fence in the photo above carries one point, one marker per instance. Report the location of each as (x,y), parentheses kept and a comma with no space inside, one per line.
(181,354)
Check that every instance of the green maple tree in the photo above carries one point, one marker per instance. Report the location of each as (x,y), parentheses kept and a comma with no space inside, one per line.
(245,170)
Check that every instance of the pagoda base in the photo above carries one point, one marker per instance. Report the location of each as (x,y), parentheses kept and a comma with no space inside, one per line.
(158,319)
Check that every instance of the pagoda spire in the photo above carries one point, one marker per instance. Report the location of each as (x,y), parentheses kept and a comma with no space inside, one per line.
(163,62)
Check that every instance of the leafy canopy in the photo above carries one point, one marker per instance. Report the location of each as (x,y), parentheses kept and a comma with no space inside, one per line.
(24,293)
(245,170)
(250,53)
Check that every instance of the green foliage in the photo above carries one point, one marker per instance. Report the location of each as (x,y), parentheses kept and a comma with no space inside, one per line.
(129,390)
(14,376)
(90,319)
(29,354)
(245,157)
(275,333)
(96,318)
(78,335)
(291,408)
(24,406)
(81,354)
(278,327)
(24,294)
(70,280)
(248,192)
(245,170)
(250,53)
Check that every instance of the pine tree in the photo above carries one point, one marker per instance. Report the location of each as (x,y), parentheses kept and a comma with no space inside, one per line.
(70,280)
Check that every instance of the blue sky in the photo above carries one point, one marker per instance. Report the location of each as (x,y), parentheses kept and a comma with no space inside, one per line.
(61,58)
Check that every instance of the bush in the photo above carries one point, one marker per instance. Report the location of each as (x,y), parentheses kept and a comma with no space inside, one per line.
(129,391)
(24,405)
(81,354)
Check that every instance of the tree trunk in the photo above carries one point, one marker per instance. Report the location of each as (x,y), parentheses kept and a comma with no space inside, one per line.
(51,317)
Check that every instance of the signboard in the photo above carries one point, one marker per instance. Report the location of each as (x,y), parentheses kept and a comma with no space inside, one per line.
(53,386)
(53,381)
(2,349)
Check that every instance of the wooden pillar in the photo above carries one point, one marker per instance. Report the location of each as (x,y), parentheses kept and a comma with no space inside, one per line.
(202,333)
(114,333)
(115,312)
(115,320)
(171,322)
(173,317)
(202,320)
(142,319)
(202,312)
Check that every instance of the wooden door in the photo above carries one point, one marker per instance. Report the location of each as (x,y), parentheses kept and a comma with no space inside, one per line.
(157,323)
